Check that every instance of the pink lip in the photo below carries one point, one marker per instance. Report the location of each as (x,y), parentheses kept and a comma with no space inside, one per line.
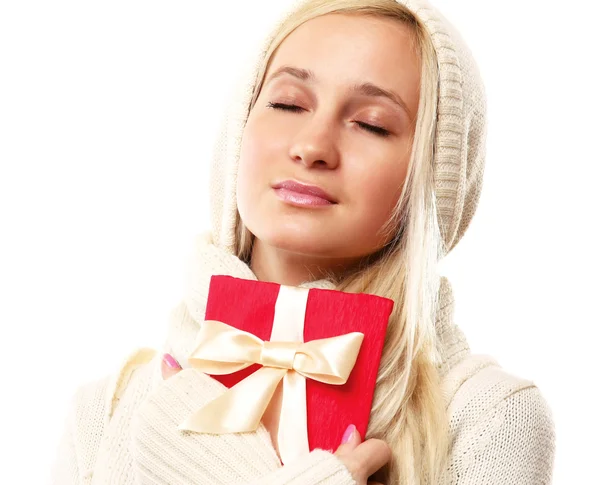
(302,194)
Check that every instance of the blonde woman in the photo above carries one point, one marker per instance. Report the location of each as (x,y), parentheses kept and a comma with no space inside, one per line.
(352,158)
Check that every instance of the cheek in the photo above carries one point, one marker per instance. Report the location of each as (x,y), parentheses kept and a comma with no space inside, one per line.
(250,151)
(253,147)
(247,171)
(256,162)
(258,147)
(379,188)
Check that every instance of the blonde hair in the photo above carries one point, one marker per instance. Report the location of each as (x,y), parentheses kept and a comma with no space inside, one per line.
(408,410)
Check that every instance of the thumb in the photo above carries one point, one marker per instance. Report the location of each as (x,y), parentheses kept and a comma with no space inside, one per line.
(350,440)
(169,366)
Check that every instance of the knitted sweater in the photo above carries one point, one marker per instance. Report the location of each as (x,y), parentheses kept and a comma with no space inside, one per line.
(122,429)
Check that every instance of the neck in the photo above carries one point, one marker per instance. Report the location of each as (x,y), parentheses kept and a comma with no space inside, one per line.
(285,267)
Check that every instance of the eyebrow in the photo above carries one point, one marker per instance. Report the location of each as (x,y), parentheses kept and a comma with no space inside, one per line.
(366,89)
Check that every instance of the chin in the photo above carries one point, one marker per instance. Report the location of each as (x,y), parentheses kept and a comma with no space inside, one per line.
(295,241)
(304,234)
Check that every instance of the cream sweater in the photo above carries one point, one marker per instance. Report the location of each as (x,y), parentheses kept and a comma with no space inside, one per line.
(123,429)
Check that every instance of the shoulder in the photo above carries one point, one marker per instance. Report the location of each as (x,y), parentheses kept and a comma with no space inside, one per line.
(501,425)
(88,407)
(90,410)
(93,403)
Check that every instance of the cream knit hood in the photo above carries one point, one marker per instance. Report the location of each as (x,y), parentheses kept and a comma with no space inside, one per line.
(459,140)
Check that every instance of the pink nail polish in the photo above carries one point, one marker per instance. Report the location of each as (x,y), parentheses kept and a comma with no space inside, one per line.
(348,433)
(171,362)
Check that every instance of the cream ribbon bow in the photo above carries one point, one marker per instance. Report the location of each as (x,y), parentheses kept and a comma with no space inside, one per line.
(223,349)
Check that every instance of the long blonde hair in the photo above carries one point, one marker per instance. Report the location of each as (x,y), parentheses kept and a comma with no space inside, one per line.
(408,409)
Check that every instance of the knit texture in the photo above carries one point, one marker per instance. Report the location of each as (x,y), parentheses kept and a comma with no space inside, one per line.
(122,430)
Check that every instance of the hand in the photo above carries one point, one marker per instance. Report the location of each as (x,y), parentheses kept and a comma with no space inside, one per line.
(361,459)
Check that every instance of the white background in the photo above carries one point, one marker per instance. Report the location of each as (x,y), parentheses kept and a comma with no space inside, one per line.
(108,112)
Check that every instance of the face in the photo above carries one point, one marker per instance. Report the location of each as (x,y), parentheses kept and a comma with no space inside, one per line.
(326,147)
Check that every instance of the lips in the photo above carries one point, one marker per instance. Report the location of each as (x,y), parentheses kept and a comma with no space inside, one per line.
(303,194)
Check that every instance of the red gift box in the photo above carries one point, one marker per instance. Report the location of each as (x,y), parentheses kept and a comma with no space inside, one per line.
(250,306)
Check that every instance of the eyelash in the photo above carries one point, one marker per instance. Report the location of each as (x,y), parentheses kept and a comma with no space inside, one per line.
(377,130)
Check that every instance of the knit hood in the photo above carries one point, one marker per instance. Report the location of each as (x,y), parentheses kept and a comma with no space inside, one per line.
(459,139)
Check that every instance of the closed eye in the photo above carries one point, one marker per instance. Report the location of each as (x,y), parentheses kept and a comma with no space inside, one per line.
(285,107)
(377,130)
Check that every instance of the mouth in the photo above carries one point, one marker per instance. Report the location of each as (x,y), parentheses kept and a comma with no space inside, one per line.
(303,195)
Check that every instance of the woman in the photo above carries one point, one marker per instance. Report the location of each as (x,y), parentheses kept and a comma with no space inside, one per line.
(352,158)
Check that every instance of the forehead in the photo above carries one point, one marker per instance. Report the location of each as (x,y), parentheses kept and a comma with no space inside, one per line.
(344,49)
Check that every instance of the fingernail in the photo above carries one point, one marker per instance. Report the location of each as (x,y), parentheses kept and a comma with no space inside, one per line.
(171,362)
(348,433)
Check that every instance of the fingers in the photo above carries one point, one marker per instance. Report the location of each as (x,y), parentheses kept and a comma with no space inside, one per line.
(372,455)
(169,366)
(363,459)
(350,440)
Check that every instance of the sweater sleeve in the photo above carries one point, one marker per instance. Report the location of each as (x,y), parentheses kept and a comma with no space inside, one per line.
(319,467)
(78,446)
(164,455)
(512,444)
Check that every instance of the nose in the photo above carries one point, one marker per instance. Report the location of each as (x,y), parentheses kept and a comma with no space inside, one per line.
(315,146)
